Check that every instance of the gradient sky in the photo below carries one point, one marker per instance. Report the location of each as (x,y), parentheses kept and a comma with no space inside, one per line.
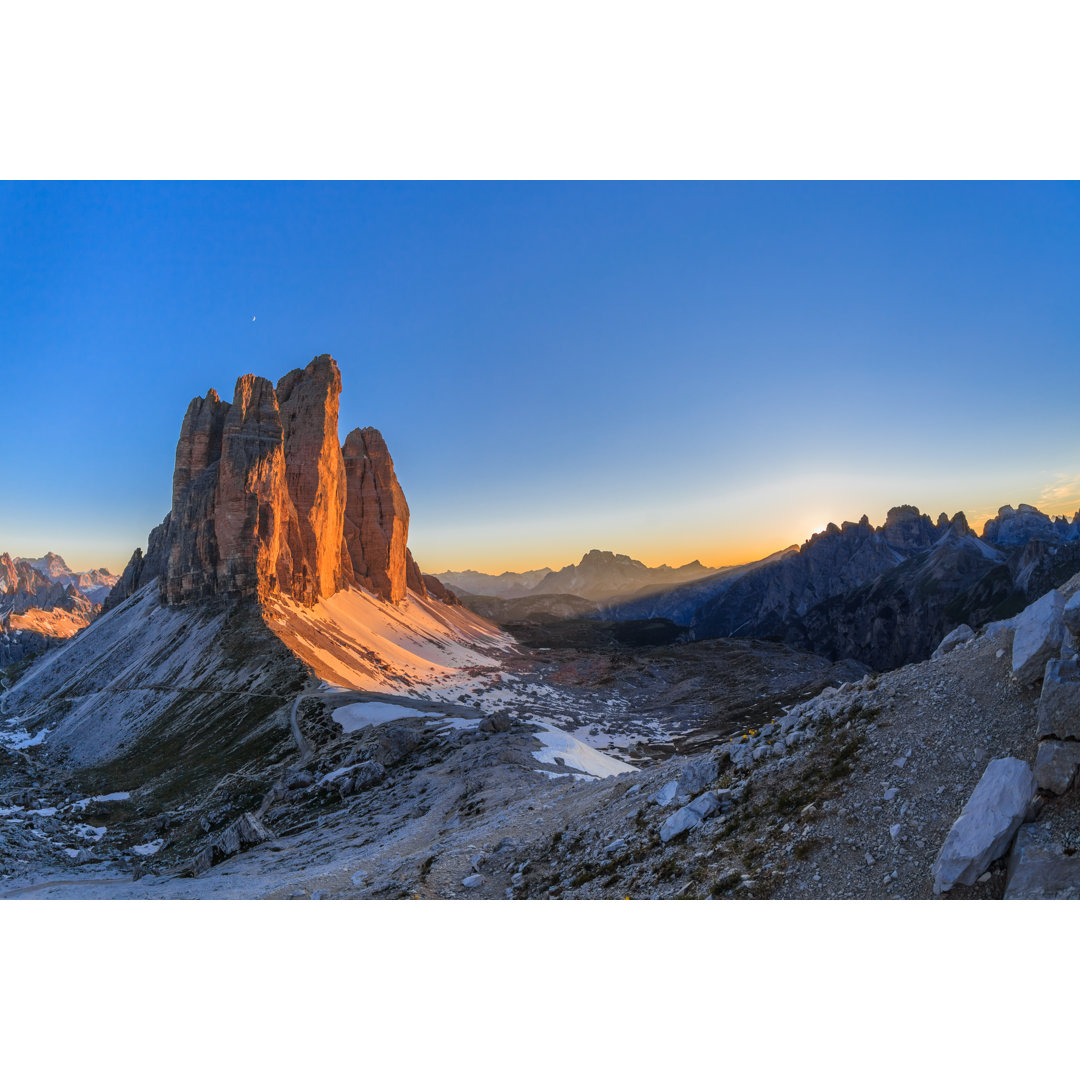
(673,371)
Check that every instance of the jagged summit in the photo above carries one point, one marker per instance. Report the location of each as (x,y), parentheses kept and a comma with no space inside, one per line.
(266,502)
(604,575)
(43,602)
(884,595)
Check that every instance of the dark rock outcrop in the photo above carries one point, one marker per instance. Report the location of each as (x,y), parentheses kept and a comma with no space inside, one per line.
(414,578)
(437,589)
(884,596)
(141,569)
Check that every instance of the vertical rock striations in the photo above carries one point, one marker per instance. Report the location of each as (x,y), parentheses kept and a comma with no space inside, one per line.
(315,474)
(254,521)
(200,439)
(376,516)
(266,502)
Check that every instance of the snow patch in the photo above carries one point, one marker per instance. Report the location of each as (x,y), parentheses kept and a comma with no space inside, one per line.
(115,796)
(366,713)
(90,832)
(575,754)
(20,740)
(458,723)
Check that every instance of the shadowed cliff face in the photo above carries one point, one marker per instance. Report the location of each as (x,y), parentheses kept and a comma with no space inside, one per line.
(265,502)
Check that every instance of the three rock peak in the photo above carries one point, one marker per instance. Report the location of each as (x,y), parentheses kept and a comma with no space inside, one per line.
(266,502)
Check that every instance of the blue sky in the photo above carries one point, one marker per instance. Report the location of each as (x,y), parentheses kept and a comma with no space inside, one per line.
(674,371)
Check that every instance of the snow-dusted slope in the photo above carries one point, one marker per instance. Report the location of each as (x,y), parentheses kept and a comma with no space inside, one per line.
(150,681)
(355,640)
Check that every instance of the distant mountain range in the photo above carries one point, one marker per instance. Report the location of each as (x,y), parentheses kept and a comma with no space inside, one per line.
(506,585)
(43,602)
(883,595)
(601,576)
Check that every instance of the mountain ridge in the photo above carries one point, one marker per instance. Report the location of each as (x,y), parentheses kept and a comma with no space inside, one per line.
(848,590)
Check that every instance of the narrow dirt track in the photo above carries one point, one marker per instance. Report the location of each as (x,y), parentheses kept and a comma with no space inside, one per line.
(53,884)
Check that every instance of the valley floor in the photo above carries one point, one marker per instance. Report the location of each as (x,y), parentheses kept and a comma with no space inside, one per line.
(556,776)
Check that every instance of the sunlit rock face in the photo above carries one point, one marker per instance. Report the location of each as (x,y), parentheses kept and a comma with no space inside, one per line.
(254,521)
(266,502)
(314,475)
(376,517)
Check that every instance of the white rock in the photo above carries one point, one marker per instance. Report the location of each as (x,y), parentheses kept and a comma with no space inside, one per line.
(678,823)
(894,831)
(1038,637)
(1070,613)
(697,777)
(986,825)
(666,795)
(890,793)
(473,881)
(705,804)
(955,637)
(1058,714)
(1056,764)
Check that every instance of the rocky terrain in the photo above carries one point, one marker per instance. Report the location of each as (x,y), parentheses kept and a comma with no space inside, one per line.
(866,790)
(277,703)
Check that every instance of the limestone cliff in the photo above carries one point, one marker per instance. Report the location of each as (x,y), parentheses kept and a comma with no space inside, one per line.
(265,502)
(376,526)
(315,475)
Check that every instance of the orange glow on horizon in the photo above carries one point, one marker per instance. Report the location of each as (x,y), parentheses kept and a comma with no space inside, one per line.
(651,553)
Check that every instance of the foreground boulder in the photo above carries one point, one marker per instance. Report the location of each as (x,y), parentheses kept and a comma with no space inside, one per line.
(986,825)
(1040,870)
(1039,632)
(949,642)
(690,816)
(697,777)
(1056,765)
(1070,614)
(1059,703)
(245,832)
